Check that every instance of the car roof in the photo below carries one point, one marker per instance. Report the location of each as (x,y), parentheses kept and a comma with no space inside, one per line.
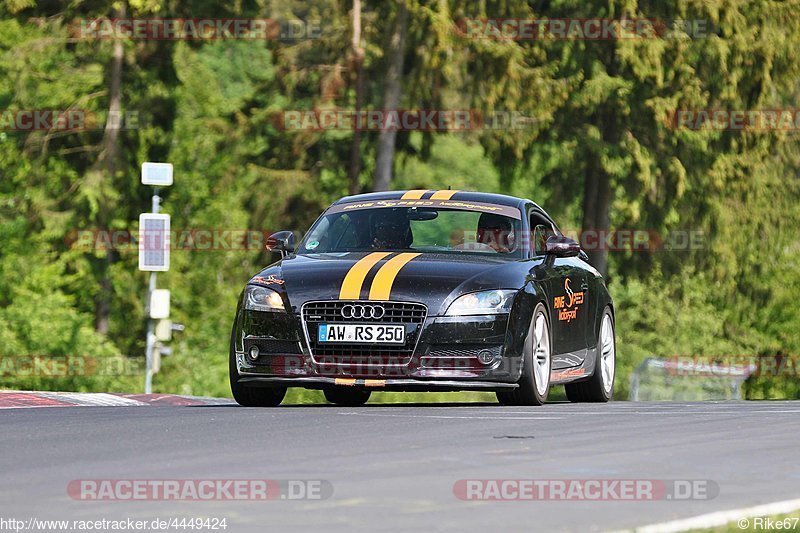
(466,196)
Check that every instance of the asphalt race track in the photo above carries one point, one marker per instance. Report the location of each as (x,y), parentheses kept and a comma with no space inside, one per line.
(393,468)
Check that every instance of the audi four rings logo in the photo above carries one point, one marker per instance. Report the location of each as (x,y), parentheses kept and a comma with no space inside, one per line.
(374,312)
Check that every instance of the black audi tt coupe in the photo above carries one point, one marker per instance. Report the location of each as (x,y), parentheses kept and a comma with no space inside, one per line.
(426,291)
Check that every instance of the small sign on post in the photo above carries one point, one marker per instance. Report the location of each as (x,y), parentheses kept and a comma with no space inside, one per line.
(157,174)
(159,304)
(154,242)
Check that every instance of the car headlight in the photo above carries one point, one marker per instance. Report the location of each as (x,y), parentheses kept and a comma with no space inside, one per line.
(482,303)
(262,299)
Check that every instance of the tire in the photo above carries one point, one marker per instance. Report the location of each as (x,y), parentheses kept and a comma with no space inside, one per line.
(537,362)
(600,387)
(251,396)
(347,397)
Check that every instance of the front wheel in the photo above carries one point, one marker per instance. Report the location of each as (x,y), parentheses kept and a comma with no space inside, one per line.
(347,397)
(534,383)
(600,387)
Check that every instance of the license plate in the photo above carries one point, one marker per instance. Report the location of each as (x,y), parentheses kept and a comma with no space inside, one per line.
(366,333)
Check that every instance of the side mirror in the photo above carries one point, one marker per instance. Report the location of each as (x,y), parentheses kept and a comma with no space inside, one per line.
(282,242)
(562,246)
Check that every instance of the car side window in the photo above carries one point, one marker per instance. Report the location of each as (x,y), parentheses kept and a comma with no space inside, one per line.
(342,233)
(332,235)
(541,230)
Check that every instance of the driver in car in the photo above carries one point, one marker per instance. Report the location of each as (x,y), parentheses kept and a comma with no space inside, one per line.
(496,232)
(391,230)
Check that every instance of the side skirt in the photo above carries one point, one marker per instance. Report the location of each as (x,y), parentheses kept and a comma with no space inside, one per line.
(580,372)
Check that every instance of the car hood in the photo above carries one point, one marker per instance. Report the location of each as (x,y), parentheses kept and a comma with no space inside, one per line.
(432,279)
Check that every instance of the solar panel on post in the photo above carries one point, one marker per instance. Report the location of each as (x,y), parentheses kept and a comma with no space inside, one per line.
(154,242)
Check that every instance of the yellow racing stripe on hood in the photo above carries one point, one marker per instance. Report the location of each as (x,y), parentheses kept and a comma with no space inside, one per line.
(354,280)
(384,279)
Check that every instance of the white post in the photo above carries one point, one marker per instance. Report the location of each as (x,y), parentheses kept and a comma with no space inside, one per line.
(156,175)
(151,336)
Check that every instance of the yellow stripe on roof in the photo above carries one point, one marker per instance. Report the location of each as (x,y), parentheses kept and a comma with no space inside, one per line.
(416,194)
(443,195)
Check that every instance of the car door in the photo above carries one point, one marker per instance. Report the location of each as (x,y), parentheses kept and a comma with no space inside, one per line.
(567,291)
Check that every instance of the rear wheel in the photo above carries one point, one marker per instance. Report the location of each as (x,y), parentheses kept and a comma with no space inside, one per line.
(250,396)
(600,387)
(348,397)
(534,383)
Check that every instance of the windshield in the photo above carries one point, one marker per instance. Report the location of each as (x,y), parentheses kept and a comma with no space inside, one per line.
(421,229)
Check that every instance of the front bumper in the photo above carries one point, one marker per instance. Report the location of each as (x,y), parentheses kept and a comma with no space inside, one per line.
(404,385)
(445,356)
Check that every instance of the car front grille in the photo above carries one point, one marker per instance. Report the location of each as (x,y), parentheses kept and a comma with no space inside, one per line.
(412,315)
